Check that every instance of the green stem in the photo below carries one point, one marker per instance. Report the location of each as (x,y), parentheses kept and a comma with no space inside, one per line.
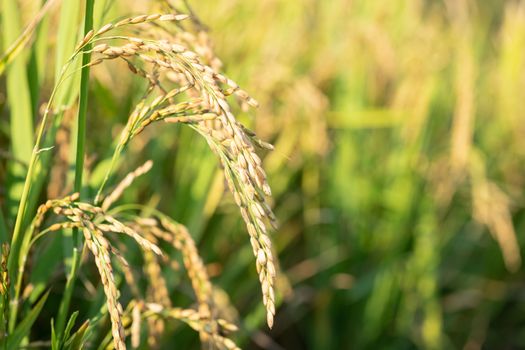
(79,167)
(68,293)
(82,108)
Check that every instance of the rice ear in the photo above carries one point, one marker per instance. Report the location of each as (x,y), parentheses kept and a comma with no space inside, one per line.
(98,246)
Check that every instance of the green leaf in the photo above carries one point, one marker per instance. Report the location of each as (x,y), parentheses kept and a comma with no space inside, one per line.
(55,344)
(76,342)
(23,329)
(69,326)
(18,45)
(21,116)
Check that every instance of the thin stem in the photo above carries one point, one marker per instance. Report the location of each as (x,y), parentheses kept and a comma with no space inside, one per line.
(82,108)
(68,293)
(79,167)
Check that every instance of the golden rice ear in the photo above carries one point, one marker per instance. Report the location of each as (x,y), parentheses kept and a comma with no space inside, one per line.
(93,221)
(99,246)
(184,86)
(119,227)
(174,69)
(492,209)
(194,319)
(208,312)
(125,183)
(136,319)
(178,236)
(157,292)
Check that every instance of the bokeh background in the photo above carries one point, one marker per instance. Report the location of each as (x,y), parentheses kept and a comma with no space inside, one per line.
(398,169)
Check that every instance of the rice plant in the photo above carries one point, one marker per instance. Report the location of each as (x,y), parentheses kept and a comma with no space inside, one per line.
(391,133)
(181,84)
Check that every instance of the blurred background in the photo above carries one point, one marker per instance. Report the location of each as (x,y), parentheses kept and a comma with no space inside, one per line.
(398,169)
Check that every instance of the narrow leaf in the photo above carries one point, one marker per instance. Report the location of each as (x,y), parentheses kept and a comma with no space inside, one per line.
(24,328)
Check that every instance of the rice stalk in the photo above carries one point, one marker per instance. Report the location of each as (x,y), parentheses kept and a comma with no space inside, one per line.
(207,111)
(183,88)
(93,222)
(210,326)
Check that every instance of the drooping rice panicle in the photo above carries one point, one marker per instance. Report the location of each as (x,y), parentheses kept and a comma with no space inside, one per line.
(98,246)
(194,319)
(207,111)
(125,183)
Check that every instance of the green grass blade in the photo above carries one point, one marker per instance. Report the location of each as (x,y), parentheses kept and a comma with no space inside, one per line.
(18,45)
(68,292)
(23,329)
(21,116)
(69,326)
(37,69)
(55,344)
(76,342)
